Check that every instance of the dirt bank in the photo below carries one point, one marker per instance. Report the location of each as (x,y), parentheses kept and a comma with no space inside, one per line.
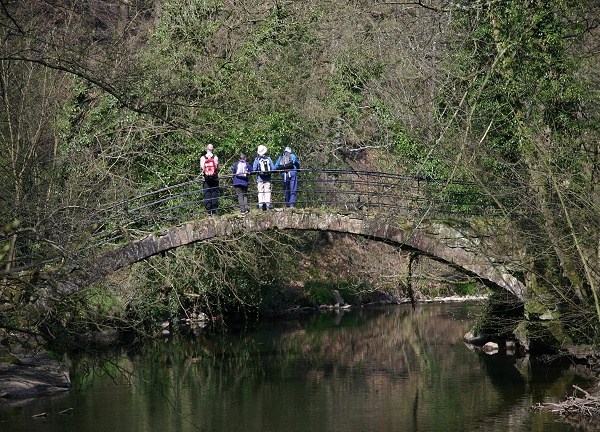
(30,372)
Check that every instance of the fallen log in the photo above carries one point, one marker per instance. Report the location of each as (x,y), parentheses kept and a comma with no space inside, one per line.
(588,405)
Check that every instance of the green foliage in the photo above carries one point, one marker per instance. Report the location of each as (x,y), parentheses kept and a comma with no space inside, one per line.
(5,232)
(106,303)
(218,278)
(350,292)
(415,156)
(236,98)
(508,74)
(501,315)
(467,289)
(188,24)
(273,130)
(151,306)
(75,318)
(408,150)
(319,293)
(520,102)
(353,71)
(55,355)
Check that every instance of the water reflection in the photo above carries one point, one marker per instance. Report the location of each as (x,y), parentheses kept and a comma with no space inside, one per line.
(384,369)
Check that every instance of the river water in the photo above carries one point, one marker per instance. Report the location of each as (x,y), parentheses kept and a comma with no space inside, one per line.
(382,369)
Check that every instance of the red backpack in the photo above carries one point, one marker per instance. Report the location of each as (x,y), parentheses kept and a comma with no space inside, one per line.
(210,167)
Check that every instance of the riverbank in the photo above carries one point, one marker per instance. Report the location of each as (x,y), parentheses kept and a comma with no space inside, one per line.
(28,374)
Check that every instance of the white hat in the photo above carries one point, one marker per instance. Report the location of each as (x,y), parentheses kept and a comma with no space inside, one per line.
(288,149)
(261,150)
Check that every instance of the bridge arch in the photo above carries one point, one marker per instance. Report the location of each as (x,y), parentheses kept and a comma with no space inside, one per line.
(434,239)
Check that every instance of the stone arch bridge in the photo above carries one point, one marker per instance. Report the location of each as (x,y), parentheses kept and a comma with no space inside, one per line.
(437,240)
(431,217)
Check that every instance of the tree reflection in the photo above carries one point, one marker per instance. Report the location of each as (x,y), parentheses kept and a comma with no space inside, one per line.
(385,368)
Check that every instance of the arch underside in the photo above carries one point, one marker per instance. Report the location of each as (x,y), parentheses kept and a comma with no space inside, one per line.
(434,239)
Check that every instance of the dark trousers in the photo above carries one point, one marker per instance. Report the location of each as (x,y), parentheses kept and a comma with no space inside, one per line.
(211,196)
(290,184)
(242,197)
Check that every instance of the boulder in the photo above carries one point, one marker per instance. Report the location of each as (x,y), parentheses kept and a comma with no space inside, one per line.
(33,375)
(490,348)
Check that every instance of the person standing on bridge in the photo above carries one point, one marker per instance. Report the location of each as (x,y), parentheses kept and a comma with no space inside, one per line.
(241,170)
(209,163)
(263,165)
(289,164)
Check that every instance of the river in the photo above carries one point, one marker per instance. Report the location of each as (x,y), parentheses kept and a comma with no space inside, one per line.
(374,369)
